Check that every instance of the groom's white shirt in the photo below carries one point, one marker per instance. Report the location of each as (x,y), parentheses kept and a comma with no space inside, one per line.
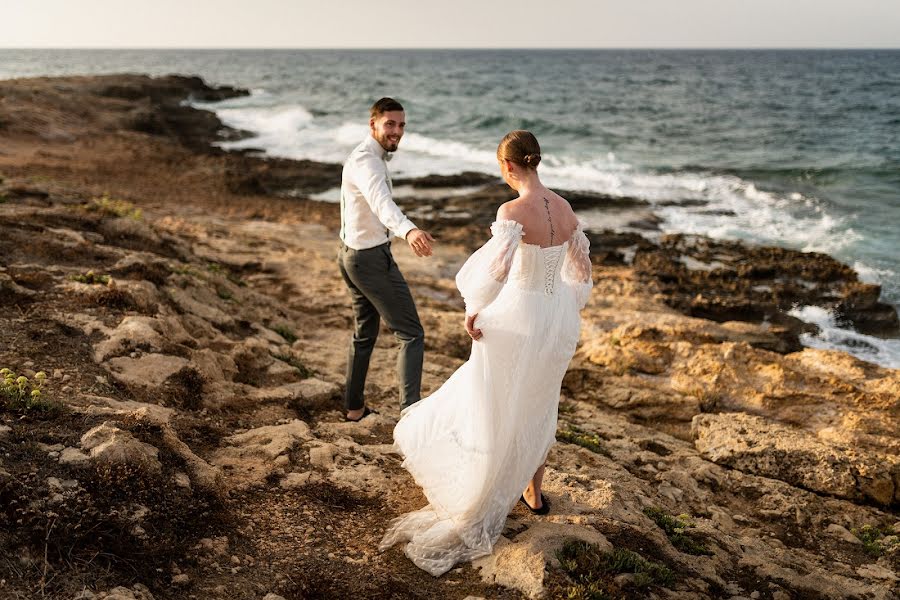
(368,211)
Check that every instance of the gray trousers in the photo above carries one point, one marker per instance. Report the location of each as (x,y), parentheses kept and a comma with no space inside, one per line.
(379,291)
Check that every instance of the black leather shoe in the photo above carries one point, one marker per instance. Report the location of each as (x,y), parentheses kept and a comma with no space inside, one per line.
(365,414)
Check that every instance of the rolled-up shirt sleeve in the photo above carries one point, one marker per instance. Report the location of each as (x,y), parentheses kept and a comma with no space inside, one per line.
(371,178)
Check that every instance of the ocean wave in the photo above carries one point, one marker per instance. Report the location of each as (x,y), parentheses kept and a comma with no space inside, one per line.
(869,274)
(805,174)
(719,205)
(884,352)
(269,121)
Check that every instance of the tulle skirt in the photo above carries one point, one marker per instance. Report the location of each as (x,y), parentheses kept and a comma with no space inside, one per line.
(475,443)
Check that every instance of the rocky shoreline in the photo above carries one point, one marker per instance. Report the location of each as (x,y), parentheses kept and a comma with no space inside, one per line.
(187,442)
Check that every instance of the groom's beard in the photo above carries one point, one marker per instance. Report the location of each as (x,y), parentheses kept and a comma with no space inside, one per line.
(388,144)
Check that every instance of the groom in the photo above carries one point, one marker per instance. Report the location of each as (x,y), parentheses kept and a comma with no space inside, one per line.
(377,288)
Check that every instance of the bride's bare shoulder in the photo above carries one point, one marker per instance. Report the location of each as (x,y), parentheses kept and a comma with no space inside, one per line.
(571,219)
(511,211)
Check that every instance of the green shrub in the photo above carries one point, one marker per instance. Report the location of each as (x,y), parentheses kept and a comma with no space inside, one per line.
(17,392)
(873,540)
(579,437)
(675,529)
(91,278)
(114,207)
(302,370)
(589,570)
(285,332)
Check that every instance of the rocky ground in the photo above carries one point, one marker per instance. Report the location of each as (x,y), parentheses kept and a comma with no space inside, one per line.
(187,441)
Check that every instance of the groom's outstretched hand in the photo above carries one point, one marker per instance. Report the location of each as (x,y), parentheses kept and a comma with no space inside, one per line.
(420,242)
(475,334)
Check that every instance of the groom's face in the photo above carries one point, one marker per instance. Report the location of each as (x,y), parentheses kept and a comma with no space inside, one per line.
(387,129)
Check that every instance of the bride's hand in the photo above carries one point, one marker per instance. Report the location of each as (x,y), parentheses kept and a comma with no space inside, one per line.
(475,334)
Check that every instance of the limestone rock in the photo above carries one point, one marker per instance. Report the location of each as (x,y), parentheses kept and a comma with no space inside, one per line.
(297,480)
(877,572)
(108,443)
(842,533)
(90,404)
(521,563)
(200,302)
(250,456)
(73,456)
(137,592)
(762,447)
(148,371)
(308,392)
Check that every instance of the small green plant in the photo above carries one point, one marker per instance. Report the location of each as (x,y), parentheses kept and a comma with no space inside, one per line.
(224,294)
(17,392)
(566,408)
(91,278)
(285,332)
(614,340)
(302,370)
(873,539)
(114,207)
(586,566)
(579,437)
(675,529)
(185,270)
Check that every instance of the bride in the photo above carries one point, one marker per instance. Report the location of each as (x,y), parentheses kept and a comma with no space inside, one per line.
(481,439)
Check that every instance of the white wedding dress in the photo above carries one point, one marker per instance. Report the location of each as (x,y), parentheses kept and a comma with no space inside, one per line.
(475,443)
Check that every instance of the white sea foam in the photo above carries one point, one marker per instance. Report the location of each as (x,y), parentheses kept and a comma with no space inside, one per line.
(869,274)
(720,206)
(884,352)
(268,122)
(732,207)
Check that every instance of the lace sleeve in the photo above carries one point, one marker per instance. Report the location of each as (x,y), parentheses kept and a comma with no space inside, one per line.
(484,273)
(576,270)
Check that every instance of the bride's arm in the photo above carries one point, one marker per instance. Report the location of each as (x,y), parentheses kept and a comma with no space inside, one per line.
(485,272)
(576,270)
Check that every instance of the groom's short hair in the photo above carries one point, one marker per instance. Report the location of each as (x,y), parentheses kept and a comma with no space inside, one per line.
(384,105)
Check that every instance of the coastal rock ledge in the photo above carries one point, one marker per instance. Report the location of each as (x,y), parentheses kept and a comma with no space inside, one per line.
(179,309)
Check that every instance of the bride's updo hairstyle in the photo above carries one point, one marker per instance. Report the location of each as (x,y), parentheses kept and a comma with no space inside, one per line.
(521,147)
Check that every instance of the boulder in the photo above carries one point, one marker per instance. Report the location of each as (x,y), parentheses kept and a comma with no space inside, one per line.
(149,371)
(521,563)
(107,443)
(762,447)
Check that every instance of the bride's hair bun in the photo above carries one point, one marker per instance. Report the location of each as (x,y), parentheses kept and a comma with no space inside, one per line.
(520,147)
(532,160)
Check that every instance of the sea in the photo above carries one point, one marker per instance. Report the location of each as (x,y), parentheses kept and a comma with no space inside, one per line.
(794,148)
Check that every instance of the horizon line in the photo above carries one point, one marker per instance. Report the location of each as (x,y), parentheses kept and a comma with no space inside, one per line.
(414,48)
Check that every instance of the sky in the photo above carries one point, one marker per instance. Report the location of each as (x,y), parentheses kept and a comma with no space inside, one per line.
(449,23)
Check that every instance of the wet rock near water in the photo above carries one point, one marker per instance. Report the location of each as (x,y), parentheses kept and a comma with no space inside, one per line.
(728,281)
(279,176)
